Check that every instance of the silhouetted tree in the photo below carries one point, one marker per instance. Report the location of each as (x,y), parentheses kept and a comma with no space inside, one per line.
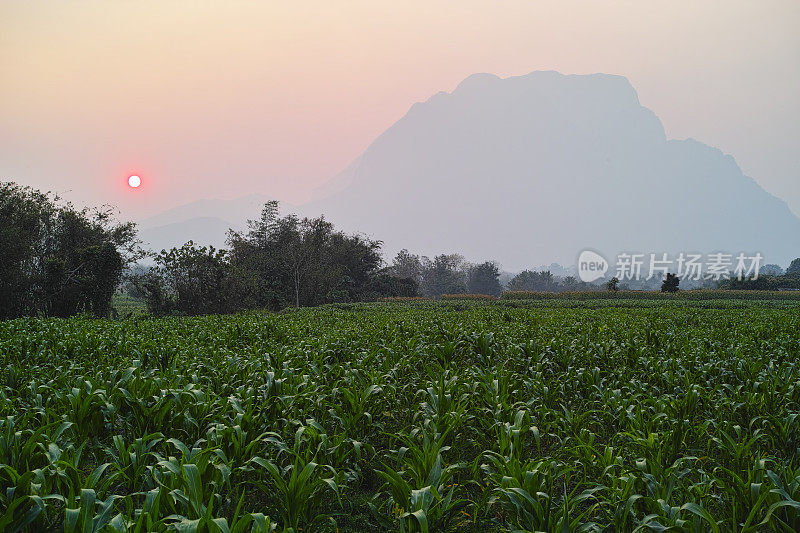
(484,279)
(670,283)
(56,259)
(794,268)
(386,284)
(763,283)
(613,284)
(193,280)
(528,280)
(289,260)
(407,265)
(444,275)
(521,282)
(571,283)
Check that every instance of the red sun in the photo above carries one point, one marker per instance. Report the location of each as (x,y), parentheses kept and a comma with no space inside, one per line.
(134,181)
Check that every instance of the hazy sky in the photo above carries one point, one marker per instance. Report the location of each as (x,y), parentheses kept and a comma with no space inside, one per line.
(220,99)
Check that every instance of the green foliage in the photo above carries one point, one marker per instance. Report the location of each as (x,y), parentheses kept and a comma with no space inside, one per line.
(794,268)
(484,279)
(422,493)
(305,262)
(671,283)
(446,274)
(407,265)
(716,297)
(280,261)
(764,282)
(528,280)
(675,412)
(57,260)
(387,285)
(192,280)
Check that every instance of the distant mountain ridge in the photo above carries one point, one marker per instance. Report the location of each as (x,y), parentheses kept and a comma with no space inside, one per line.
(203,231)
(249,205)
(206,222)
(533,169)
(529,170)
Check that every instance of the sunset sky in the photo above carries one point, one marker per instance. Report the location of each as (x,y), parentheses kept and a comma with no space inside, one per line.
(218,100)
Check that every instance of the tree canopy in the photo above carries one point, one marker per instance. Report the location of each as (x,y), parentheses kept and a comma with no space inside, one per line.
(484,279)
(57,260)
(303,262)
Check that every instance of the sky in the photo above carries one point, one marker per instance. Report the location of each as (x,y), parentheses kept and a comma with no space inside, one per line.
(222,99)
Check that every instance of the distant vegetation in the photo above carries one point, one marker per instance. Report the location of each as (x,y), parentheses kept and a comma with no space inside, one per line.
(774,279)
(447,274)
(58,260)
(280,261)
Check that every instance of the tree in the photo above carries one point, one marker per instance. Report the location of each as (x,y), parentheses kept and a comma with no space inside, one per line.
(280,253)
(528,280)
(484,279)
(522,281)
(303,262)
(407,265)
(763,283)
(794,268)
(613,284)
(544,281)
(670,283)
(58,260)
(444,275)
(771,270)
(303,249)
(571,283)
(193,280)
(386,284)
(353,261)
(255,256)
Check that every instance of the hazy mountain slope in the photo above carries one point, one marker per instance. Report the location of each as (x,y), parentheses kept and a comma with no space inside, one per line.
(203,231)
(206,222)
(237,210)
(535,168)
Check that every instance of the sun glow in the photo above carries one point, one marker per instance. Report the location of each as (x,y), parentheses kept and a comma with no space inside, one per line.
(134,181)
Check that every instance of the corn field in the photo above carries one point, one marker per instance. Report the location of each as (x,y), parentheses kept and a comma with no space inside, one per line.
(407,417)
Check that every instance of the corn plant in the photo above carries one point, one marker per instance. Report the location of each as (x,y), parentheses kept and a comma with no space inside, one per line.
(574,412)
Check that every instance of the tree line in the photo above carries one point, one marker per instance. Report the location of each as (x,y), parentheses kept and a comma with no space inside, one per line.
(771,278)
(452,274)
(279,261)
(58,260)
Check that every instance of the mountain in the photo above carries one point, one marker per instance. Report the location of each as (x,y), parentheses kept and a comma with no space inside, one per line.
(203,231)
(237,210)
(533,169)
(206,222)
